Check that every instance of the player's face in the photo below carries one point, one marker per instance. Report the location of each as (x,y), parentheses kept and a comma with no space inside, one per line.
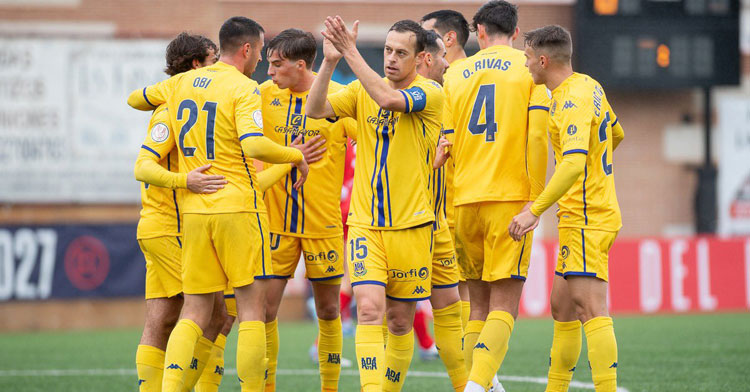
(283,72)
(254,55)
(399,56)
(534,65)
(210,59)
(439,64)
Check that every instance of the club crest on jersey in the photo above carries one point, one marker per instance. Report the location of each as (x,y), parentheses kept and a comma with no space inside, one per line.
(564,252)
(159,132)
(572,129)
(359,269)
(275,102)
(258,118)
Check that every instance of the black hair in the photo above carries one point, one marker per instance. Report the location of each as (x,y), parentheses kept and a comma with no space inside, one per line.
(498,18)
(237,31)
(294,44)
(554,40)
(450,20)
(431,42)
(407,25)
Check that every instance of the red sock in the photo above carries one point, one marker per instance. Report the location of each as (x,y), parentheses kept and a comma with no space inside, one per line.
(346,300)
(420,329)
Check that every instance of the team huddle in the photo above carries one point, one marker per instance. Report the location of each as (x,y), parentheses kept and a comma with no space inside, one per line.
(240,180)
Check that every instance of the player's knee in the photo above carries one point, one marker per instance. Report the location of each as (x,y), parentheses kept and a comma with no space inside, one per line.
(327,311)
(271,312)
(368,312)
(400,325)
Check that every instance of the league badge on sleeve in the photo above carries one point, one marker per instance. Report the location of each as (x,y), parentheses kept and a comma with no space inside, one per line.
(258,118)
(159,132)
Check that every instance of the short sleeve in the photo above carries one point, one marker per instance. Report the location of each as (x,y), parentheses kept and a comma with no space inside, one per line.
(350,127)
(540,98)
(160,138)
(575,131)
(247,113)
(344,101)
(425,95)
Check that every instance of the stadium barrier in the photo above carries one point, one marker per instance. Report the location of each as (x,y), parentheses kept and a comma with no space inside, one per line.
(648,275)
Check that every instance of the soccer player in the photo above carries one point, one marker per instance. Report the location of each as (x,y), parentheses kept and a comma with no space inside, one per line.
(305,221)
(500,153)
(159,231)
(226,233)
(454,32)
(390,218)
(584,131)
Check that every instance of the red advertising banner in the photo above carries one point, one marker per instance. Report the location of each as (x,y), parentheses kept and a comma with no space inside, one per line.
(649,275)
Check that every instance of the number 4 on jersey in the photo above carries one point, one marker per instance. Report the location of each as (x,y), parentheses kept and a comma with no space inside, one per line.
(485,100)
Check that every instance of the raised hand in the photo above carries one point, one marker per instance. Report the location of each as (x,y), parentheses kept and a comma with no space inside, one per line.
(330,52)
(339,35)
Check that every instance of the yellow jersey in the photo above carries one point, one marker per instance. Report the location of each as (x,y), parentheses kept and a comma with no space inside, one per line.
(489,104)
(160,212)
(214,108)
(392,170)
(449,167)
(315,210)
(581,121)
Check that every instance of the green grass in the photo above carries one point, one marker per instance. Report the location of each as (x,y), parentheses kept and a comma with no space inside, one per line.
(658,353)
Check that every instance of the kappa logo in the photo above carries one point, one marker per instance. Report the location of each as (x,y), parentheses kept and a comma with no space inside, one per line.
(275,102)
(141,381)
(564,252)
(613,365)
(194,364)
(481,345)
(571,370)
(572,129)
(330,269)
(174,366)
(219,370)
(334,358)
(569,105)
(392,375)
(369,363)
(419,290)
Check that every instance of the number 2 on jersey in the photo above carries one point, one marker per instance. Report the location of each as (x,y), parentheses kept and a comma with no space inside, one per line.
(603,138)
(192,118)
(485,99)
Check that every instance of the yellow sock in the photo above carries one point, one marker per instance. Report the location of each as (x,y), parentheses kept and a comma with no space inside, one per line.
(491,347)
(200,358)
(398,353)
(448,334)
(471,334)
(179,354)
(368,342)
(385,331)
(600,339)
(563,357)
(251,355)
(465,311)
(214,371)
(149,362)
(330,344)
(272,354)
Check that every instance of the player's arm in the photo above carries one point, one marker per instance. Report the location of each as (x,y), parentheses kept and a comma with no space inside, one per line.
(536,150)
(150,97)
(345,42)
(317,102)
(617,132)
(442,153)
(271,175)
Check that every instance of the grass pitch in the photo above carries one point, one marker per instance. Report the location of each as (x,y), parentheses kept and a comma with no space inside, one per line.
(656,353)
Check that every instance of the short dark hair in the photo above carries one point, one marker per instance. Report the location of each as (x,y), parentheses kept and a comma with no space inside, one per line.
(294,44)
(497,16)
(431,42)
(236,31)
(407,25)
(553,40)
(184,49)
(450,20)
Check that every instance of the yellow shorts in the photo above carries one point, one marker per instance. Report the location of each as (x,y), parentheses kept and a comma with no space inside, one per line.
(460,255)
(163,265)
(444,267)
(399,260)
(230,302)
(584,252)
(482,229)
(224,250)
(324,262)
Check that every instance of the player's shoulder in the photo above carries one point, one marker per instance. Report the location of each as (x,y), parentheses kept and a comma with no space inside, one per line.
(268,87)
(334,86)
(428,85)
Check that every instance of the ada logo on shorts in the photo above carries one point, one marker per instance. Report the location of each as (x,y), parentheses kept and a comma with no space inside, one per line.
(359,269)
(564,252)
(159,132)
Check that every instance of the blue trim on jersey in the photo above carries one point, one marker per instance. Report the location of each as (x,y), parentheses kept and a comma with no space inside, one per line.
(326,278)
(406,99)
(295,207)
(520,257)
(583,250)
(247,169)
(375,282)
(286,203)
(379,185)
(272,276)
(302,193)
(374,170)
(247,135)
(278,241)
(147,148)
(614,123)
(262,244)
(519,277)
(179,242)
(559,274)
(419,104)
(228,296)
(388,194)
(146,98)
(585,176)
(286,177)
(407,299)
(174,197)
(579,151)
(538,107)
(592,274)
(448,131)
(444,286)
